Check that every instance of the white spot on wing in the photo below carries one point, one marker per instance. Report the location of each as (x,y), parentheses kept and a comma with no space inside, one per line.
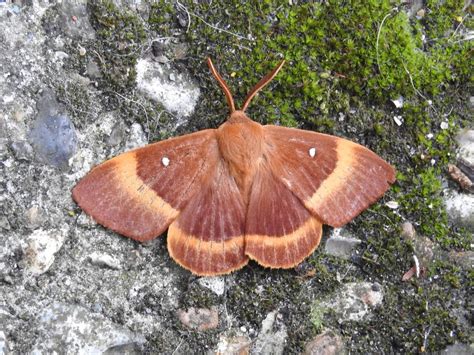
(312,152)
(165,161)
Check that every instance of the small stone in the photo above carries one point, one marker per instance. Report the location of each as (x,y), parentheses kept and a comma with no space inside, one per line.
(34,217)
(116,135)
(458,349)
(237,345)
(93,70)
(215,284)
(4,224)
(398,102)
(41,249)
(54,139)
(172,77)
(272,336)
(4,349)
(392,205)
(354,301)
(460,208)
(22,150)
(408,231)
(158,48)
(136,138)
(341,244)
(106,260)
(200,319)
(82,51)
(76,330)
(179,96)
(398,120)
(326,343)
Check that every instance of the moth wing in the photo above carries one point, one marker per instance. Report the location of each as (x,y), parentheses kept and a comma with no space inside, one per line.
(139,193)
(208,236)
(280,231)
(335,179)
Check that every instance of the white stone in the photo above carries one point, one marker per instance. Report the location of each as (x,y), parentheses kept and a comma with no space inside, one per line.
(42,246)
(102,259)
(392,205)
(398,120)
(460,208)
(312,152)
(354,301)
(272,336)
(398,102)
(179,96)
(215,284)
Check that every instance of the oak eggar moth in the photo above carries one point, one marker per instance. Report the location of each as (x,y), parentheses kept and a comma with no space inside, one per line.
(240,191)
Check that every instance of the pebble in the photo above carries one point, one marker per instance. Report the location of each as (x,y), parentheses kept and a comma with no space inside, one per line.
(4,224)
(200,319)
(75,330)
(42,245)
(326,343)
(154,80)
(354,301)
(34,217)
(106,260)
(22,150)
(341,244)
(54,139)
(272,336)
(233,345)
(215,284)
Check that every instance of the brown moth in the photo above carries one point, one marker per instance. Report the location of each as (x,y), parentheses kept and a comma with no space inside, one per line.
(241,191)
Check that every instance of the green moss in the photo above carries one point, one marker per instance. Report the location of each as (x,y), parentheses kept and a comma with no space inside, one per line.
(121,33)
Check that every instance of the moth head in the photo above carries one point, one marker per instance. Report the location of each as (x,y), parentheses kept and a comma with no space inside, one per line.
(228,94)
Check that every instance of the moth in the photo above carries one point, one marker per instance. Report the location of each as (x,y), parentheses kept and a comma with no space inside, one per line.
(241,191)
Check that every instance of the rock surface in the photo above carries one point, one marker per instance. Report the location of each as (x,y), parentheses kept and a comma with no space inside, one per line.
(73,329)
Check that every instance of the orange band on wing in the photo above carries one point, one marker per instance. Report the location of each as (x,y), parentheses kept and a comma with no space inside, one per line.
(285,251)
(137,190)
(206,258)
(339,176)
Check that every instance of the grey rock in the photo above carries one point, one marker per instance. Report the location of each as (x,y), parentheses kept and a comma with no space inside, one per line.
(4,224)
(22,150)
(73,19)
(116,135)
(354,301)
(179,96)
(272,336)
(215,284)
(136,138)
(341,244)
(65,328)
(459,349)
(54,139)
(460,208)
(34,217)
(42,247)
(465,140)
(4,350)
(93,70)
(106,260)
